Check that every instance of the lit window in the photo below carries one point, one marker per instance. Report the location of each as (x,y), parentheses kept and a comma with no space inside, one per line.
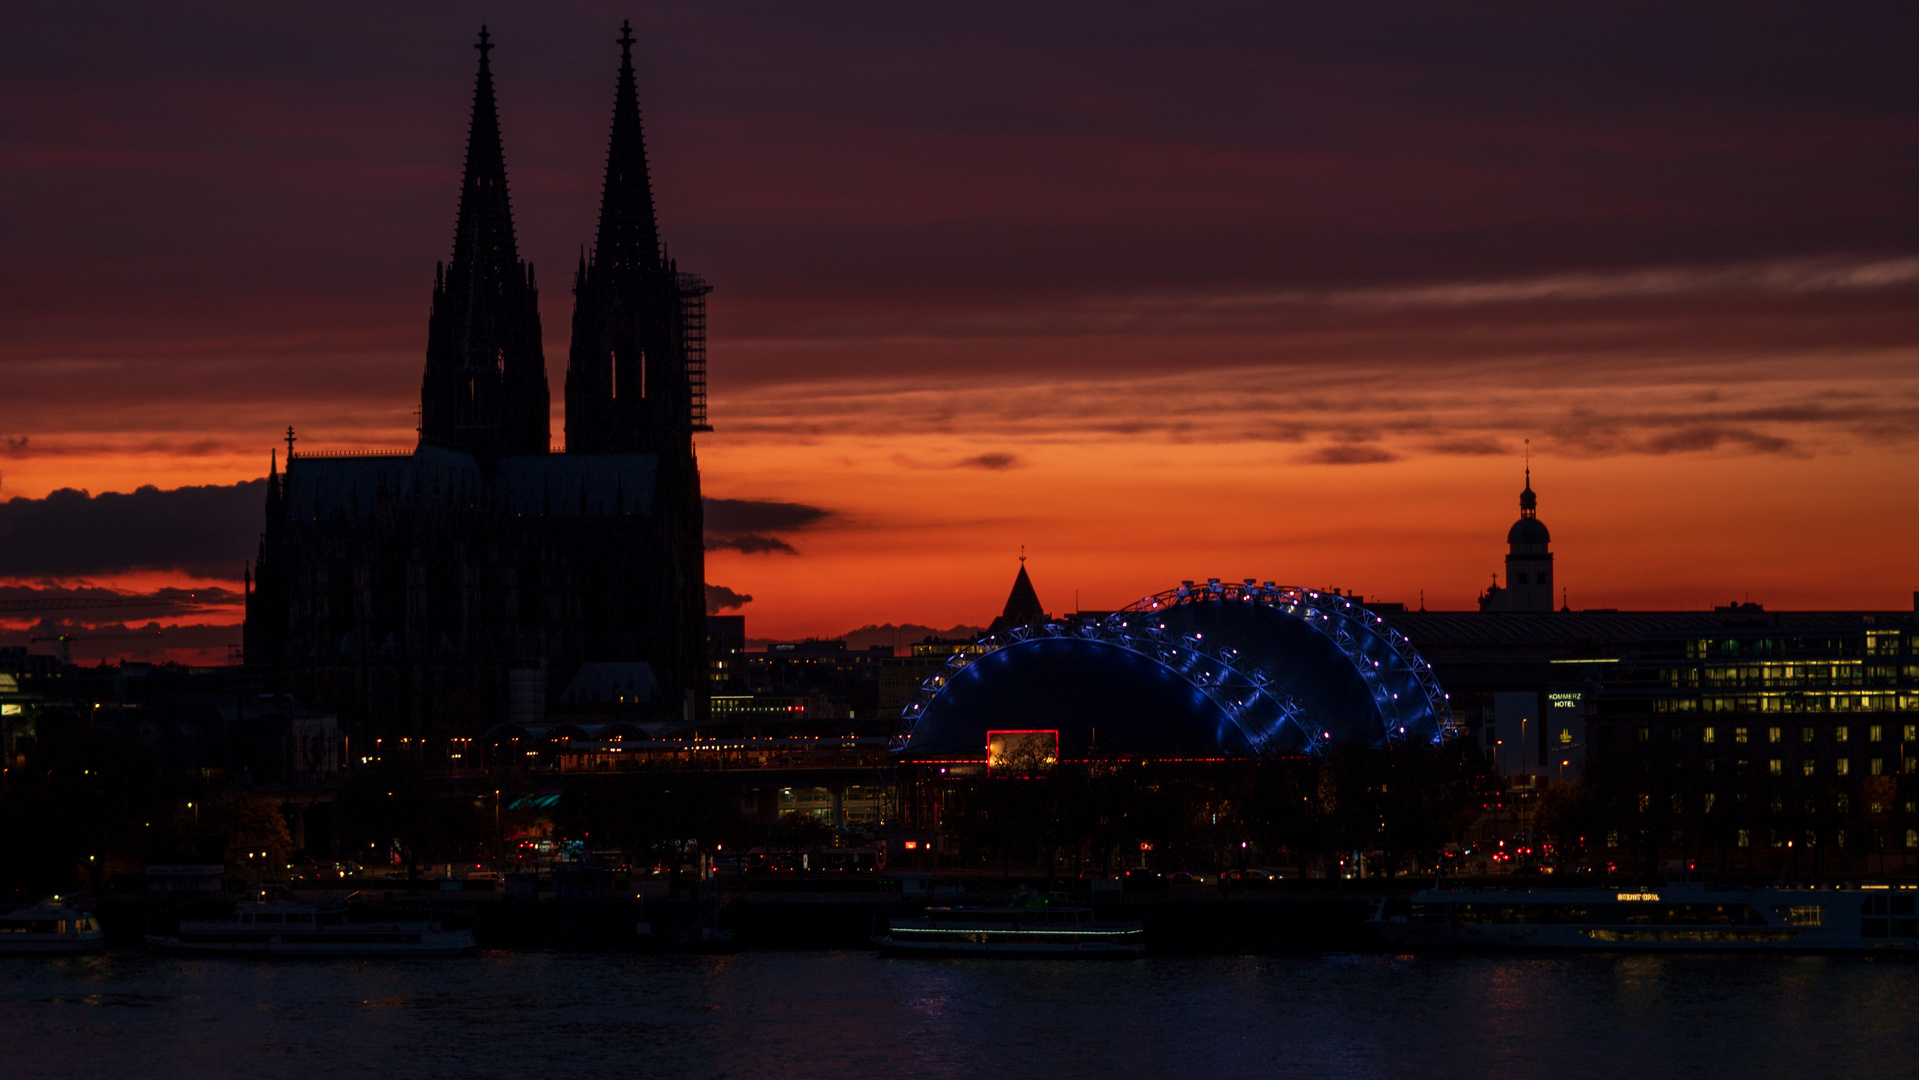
(1745,837)
(1841,733)
(1706,735)
(1710,799)
(1806,767)
(1912,838)
(1738,734)
(1842,766)
(1775,767)
(1645,734)
(1878,766)
(1912,732)
(1808,734)
(1774,734)
(1875,733)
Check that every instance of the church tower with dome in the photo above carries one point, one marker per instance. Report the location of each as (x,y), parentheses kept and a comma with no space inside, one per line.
(1529,562)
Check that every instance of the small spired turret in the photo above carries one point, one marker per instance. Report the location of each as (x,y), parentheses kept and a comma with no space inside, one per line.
(1529,561)
(1022,605)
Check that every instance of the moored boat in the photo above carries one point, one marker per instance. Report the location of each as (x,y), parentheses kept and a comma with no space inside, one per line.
(1674,917)
(1038,931)
(53,925)
(280,928)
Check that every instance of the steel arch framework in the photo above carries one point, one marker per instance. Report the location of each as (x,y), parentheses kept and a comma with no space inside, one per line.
(1408,700)
(1404,691)
(1258,709)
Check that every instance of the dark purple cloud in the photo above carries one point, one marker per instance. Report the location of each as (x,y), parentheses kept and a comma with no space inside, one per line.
(994,462)
(213,530)
(720,598)
(201,172)
(760,515)
(210,530)
(750,544)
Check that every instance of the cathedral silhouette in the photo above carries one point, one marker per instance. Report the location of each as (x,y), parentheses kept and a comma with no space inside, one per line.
(486,578)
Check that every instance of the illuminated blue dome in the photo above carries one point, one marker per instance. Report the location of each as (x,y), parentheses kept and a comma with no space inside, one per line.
(1200,670)
(1085,689)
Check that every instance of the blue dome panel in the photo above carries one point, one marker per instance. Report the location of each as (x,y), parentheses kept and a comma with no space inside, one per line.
(1303,662)
(1075,686)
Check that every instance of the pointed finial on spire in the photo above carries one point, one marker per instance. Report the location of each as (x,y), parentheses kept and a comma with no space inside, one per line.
(290,442)
(1022,554)
(629,237)
(1528,502)
(486,43)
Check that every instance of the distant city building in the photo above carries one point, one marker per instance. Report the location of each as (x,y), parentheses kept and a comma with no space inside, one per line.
(482,579)
(725,648)
(1529,562)
(1765,739)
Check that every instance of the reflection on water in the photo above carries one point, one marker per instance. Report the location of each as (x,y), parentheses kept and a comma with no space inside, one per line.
(797,1014)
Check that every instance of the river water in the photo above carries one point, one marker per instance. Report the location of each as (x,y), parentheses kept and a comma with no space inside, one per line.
(831,1014)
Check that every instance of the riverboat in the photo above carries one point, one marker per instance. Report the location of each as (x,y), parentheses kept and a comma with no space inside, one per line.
(1045,931)
(51,926)
(1685,916)
(279,928)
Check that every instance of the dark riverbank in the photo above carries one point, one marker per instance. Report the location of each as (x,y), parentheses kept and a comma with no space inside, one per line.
(825,913)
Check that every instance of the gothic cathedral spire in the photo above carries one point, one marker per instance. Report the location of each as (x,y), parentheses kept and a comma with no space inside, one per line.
(485,389)
(629,234)
(632,385)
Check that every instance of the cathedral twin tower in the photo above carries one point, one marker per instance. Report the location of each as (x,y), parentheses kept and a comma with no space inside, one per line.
(632,382)
(481,583)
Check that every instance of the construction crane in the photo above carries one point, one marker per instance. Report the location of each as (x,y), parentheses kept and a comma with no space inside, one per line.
(65,641)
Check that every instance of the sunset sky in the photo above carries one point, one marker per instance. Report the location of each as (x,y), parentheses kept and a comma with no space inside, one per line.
(1156,291)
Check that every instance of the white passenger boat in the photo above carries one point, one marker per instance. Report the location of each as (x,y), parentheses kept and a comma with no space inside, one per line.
(51,926)
(1684,916)
(1011,931)
(276,928)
